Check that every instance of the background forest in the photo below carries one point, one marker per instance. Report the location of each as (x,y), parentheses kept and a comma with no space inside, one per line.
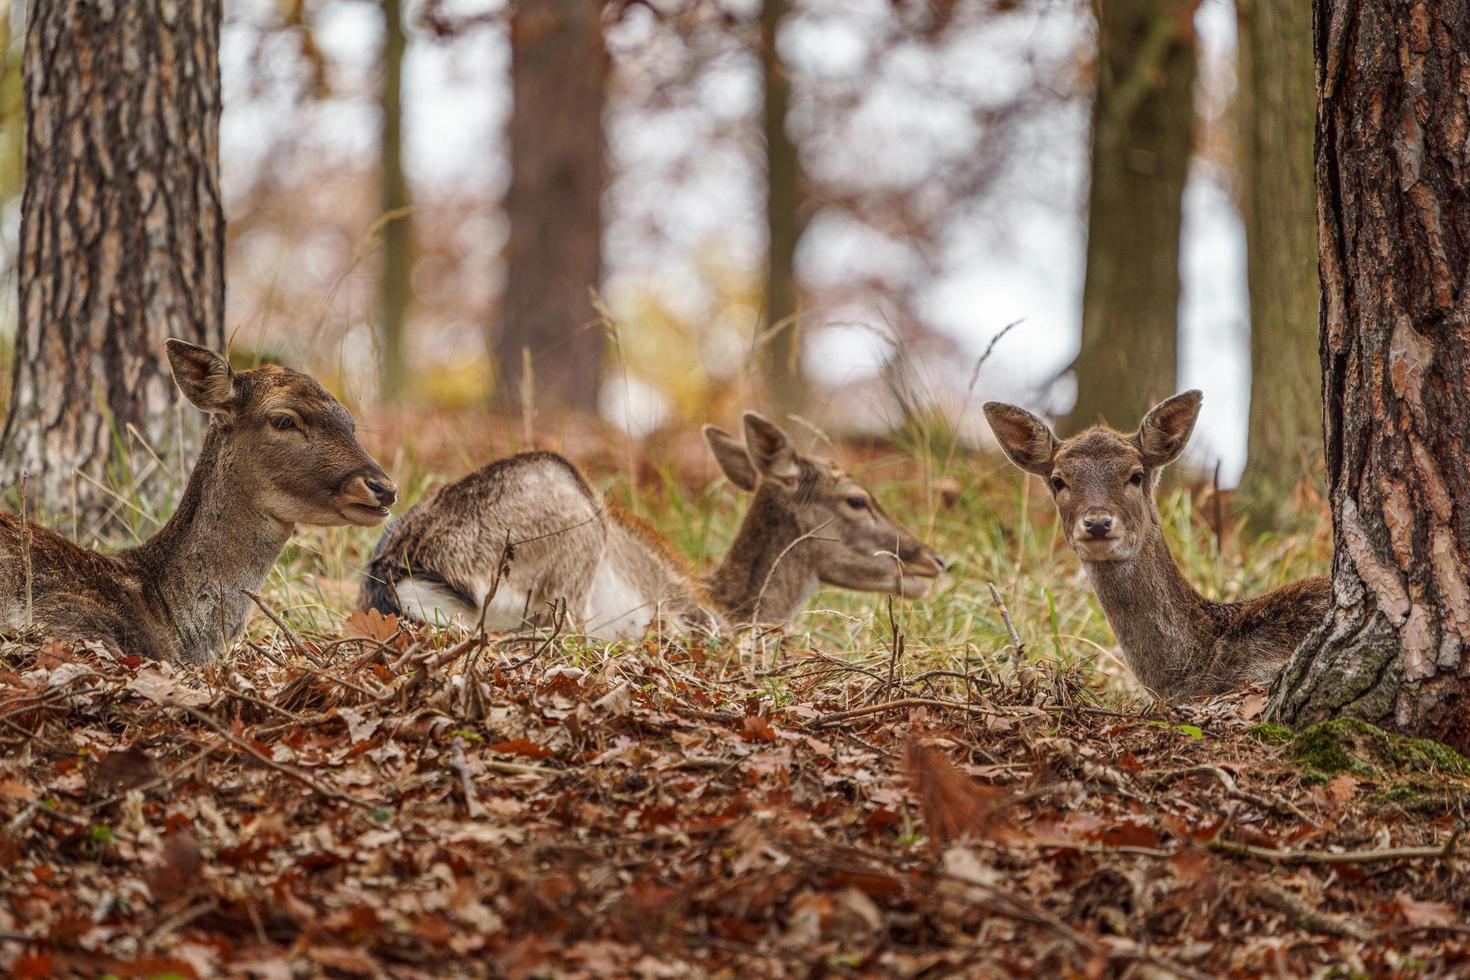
(928,180)
(593,226)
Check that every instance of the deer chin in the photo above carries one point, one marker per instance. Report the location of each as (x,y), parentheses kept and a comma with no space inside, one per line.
(363,515)
(1115,548)
(916,586)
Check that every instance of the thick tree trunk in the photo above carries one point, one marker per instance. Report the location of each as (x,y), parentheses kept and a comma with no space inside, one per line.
(554,257)
(122,239)
(398,226)
(781,329)
(1142,134)
(1394,201)
(1278,103)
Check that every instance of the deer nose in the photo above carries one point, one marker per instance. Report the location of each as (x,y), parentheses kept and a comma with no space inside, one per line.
(384,490)
(1098,524)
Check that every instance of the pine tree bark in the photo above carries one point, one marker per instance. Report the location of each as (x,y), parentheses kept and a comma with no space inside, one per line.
(1142,135)
(1394,201)
(1278,108)
(784,224)
(554,256)
(121,241)
(398,225)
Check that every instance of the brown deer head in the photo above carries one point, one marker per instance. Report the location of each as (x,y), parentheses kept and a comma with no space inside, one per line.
(1101,480)
(289,446)
(845,535)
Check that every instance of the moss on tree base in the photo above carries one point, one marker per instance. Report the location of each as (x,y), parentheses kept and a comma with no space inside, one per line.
(1416,774)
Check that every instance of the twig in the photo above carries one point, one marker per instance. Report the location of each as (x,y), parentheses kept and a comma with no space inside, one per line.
(1005,617)
(177,921)
(1304,912)
(280,767)
(461,767)
(1231,789)
(167,777)
(898,705)
(1445,850)
(296,641)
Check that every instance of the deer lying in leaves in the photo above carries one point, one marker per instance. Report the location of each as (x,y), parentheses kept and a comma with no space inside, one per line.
(1177,643)
(279,451)
(527,531)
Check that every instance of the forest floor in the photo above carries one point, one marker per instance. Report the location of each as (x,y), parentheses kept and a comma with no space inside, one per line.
(914,790)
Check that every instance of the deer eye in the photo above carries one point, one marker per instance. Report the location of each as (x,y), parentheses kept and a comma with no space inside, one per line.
(282,423)
(858,503)
(1058,484)
(1136,479)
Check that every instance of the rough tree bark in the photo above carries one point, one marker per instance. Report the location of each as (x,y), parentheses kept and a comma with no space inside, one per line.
(1394,204)
(1278,105)
(122,238)
(781,328)
(1142,135)
(554,256)
(398,226)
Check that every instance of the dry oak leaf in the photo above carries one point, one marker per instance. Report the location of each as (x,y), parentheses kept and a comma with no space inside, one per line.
(372,625)
(1417,913)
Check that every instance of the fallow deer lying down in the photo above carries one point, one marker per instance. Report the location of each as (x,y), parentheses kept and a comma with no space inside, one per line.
(809,523)
(1177,643)
(279,451)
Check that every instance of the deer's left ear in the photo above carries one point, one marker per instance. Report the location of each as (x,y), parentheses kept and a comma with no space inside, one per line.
(1166,428)
(730,453)
(202,375)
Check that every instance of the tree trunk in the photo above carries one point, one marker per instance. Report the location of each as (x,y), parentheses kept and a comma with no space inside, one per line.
(122,240)
(1142,134)
(1278,103)
(1394,204)
(554,257)
(781,328)
(397,227)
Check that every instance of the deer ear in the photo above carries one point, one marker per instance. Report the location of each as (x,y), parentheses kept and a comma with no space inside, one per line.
(202,375)
(770,450)
(1026,439)
(1167,427)
(730,453)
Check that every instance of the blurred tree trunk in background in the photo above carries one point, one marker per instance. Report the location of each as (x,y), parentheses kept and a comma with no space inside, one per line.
(1394,198)
(554,256)
(781,328)
(398,227)
(121,241)
(1142,135)
(1278,103)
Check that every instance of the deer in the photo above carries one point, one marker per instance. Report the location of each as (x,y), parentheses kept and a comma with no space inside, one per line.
(500,548)
(278,451)
(1177,643)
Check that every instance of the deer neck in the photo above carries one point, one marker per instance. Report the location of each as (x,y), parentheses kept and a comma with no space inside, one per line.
(216,544)
(1165,627)
(766,576)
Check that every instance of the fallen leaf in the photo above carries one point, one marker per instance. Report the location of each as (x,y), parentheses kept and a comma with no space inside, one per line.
(1417,913)
(371,624)
(1341,788)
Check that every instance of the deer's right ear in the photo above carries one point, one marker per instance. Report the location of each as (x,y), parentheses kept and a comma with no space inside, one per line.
(771,450)
(730,453)
(1026,439)
(202,375)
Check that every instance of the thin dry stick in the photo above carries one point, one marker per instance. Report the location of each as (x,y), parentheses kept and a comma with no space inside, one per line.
(167,777)
(1445,851)
(898,705)
(295,640)
(1005,617)
(466,781)
(1232,789)
(1304,912)
(281,767)
(25,536)
(323,674)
